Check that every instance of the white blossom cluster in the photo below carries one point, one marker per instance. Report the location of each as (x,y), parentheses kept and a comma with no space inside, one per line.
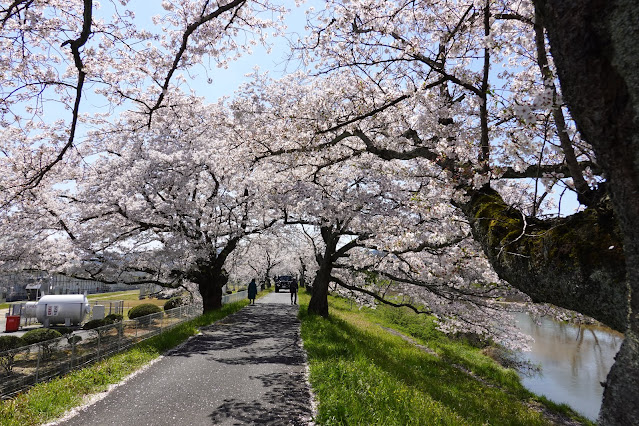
(364,157)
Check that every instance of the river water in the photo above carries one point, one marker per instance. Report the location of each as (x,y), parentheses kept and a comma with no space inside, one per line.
(574,361)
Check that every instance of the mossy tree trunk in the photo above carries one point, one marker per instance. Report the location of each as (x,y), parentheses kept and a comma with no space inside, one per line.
(575,262)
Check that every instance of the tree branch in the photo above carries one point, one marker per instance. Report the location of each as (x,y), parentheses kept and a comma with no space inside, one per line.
(190,29)
(75,50)
(378,297)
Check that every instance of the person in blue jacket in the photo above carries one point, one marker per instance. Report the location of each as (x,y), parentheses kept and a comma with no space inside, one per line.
(252,291)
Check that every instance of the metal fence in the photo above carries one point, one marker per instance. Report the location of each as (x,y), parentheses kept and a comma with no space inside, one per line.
(23,367)
(235,297)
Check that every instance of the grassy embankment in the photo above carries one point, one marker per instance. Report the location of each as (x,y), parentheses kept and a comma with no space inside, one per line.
(361,374)
(364,374)
(48,401)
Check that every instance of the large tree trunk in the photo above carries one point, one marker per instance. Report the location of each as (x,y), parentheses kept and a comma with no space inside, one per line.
(594,44)
(211,292)
(210,276)
(210,280)
(319,298)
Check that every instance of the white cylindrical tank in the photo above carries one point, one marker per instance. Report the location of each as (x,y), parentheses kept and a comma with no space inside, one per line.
(29,309)
(60,309)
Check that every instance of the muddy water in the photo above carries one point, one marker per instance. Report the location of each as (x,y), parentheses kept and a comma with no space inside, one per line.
(574,360)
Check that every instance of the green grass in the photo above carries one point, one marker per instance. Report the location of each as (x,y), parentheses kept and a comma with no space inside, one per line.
(362,374)
(116,295)
(48,401)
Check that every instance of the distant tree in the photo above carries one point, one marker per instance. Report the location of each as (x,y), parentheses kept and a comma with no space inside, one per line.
(259,256)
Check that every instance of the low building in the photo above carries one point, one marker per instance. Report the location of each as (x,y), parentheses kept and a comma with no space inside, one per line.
(31,285)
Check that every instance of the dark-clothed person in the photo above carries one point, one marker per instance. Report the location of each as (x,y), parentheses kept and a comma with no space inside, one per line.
(252,291)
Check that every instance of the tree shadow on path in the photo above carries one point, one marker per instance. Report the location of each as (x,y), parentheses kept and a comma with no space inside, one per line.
(259,335)
(286,403)
(263,334)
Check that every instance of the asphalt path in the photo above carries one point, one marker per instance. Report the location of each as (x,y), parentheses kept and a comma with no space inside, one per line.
(248,368)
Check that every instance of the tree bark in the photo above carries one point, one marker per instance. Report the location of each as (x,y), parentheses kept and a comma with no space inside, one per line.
(595,49)
(211,292)
(210,280)
(302,273)
(210,276)
(319,299)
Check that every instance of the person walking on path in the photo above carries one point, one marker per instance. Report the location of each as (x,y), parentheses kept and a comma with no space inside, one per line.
(252,291)
(293,290)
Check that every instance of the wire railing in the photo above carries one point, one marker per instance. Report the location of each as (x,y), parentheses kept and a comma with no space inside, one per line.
(23,367)
(26,366)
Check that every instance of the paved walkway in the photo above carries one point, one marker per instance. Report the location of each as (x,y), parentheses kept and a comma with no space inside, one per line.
(247,369)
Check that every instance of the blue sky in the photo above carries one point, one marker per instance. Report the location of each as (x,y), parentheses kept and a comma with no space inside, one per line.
(226,81)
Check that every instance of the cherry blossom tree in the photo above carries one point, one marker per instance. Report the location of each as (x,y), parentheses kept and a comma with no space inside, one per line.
(478,134)
(166,204)
(418,80)
(63,59)
(273,252)
(372,218)
(68,69)
(458,101)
